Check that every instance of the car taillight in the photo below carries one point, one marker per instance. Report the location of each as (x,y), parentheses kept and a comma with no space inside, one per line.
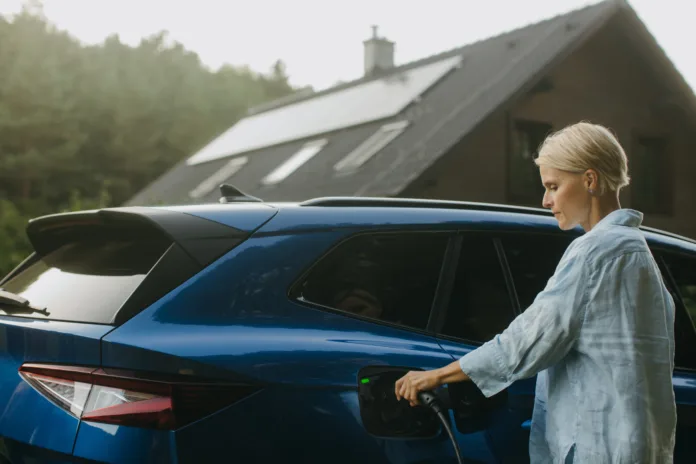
(118,397)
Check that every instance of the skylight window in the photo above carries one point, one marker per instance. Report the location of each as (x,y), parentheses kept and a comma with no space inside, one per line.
(214,181)
(293,163)
(371,146)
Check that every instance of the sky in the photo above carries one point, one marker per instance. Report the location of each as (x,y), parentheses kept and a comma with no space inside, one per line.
(321,40)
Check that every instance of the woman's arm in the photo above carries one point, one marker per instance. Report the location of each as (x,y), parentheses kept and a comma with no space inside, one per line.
(535,340)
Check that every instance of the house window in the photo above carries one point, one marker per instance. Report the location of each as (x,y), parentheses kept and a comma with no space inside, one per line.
(371,146)
(524,182)
(651,186)
(293,163)
(220,176)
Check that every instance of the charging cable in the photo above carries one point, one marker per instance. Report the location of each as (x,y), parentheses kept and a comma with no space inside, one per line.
(431,400)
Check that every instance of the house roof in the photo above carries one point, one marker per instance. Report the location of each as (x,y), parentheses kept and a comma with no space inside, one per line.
(490,73)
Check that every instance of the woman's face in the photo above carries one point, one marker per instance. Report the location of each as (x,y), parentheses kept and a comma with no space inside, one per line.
(567,197)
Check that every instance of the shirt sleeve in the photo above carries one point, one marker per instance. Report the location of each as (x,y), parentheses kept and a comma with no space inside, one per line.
(539,337)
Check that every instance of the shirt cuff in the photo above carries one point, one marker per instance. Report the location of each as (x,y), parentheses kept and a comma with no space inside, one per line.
(484,368)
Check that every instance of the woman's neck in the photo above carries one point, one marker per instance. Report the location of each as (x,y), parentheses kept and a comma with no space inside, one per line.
(601,207)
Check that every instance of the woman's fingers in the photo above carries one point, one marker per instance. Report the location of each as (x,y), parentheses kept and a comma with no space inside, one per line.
(402,386)
(398,386)
(408,387)
(412,396)
(414,382)
(412,393)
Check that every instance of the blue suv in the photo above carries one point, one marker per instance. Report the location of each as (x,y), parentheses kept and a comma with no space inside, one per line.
(257,332)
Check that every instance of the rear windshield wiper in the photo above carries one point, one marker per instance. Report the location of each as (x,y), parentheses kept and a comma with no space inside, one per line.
(16,304)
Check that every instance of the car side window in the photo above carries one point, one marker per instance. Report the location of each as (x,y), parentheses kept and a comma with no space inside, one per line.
(532,259)
(682,269)
(391,277)
(480,306)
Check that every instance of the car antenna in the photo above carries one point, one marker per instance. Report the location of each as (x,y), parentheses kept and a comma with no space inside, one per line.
(231,194)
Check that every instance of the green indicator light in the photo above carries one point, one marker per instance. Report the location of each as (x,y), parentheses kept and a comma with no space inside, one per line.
(365,380)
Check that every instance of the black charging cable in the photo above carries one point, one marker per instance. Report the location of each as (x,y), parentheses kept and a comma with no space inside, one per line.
(431,400)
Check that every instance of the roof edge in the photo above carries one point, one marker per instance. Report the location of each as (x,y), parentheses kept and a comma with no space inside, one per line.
(612,7)
(305,95)
(658,52)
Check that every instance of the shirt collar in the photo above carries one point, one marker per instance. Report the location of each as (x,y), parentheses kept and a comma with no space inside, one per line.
(621,217)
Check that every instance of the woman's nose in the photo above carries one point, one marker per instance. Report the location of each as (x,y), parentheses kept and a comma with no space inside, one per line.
(546,201)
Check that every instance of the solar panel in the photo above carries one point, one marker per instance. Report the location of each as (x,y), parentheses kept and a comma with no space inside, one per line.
(371,101)
(220,176)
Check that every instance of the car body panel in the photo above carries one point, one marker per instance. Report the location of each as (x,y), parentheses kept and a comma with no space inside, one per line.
(26,415)
(111,443)
(234,321)
(263,337)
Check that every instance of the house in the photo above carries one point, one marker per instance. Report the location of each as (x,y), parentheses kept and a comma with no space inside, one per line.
(465,124)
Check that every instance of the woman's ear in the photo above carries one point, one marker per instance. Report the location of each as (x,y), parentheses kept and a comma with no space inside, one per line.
(591,181)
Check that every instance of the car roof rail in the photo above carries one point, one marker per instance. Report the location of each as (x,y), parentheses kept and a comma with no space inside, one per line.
(668,234)
(231,194)
(451,204)
(422,203)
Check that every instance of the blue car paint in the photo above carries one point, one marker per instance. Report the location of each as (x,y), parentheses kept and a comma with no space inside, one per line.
(316,425)
(234,321)
(685,394)
(114,444)
(251,282)
(508,433)
(300,220)
(260,335)
(24,341)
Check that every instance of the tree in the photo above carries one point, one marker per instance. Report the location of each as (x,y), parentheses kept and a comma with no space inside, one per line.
(14,245)
(92,125)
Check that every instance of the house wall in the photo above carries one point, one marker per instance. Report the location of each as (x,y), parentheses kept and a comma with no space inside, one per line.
(604,81)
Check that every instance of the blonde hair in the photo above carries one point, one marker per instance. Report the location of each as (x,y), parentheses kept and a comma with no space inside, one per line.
(582,146)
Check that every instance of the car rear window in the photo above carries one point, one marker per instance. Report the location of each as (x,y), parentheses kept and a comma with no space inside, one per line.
(87,280)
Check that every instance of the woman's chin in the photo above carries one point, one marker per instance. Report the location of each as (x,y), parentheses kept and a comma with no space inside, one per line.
(562,224)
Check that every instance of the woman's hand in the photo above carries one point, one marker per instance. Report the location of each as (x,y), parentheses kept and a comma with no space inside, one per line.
(414,382)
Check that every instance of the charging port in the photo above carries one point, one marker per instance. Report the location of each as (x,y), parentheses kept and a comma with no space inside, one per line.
(383,415)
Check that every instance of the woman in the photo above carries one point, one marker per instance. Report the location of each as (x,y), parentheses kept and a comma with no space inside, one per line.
(600,335)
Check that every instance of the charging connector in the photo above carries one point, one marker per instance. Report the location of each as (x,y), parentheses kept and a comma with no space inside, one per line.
(431,400)
(385,416)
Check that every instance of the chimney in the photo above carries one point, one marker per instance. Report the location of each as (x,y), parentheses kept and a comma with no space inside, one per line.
(379,54)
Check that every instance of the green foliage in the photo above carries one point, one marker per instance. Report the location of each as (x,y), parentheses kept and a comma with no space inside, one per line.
(14,246)
(88,126)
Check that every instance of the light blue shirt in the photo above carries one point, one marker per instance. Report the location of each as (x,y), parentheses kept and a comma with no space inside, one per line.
(601,337)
